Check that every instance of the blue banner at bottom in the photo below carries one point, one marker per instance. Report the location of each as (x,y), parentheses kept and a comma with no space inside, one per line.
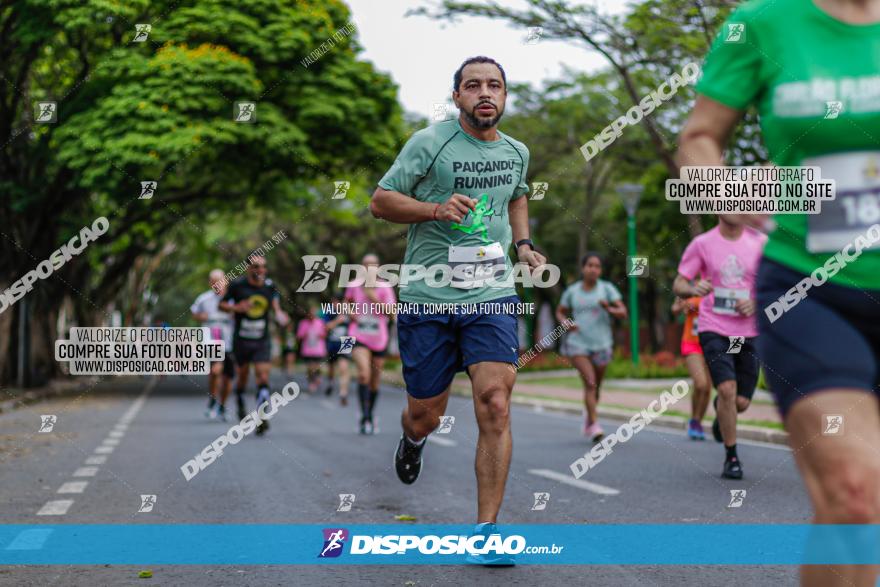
(370,544)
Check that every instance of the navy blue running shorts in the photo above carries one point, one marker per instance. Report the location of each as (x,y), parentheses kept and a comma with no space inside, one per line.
(433,347)
(829,339)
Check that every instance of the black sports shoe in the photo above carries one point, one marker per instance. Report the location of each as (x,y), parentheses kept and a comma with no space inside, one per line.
(408,460)
(329,390)
(262,427)
(716,431)
(241,412)
(732,468)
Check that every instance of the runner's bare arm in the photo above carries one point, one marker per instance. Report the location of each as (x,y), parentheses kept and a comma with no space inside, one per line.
(404,209)
(518,213)
(683,287)
(280,315)
(200,316)
(702,142)
(616,309)
(563,314)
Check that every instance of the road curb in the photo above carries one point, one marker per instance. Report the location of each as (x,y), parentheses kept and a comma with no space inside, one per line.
(744,432)
(55,388)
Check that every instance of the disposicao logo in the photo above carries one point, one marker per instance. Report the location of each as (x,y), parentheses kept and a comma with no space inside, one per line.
(334,540)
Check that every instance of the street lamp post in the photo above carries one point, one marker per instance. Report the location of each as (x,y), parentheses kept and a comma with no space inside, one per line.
(631,193)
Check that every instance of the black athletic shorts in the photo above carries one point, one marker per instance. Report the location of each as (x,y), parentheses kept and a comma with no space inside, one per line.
(830,338)
(251,351)
(377,354)
(741,367)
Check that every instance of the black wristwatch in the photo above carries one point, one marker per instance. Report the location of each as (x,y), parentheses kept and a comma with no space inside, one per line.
(525,241)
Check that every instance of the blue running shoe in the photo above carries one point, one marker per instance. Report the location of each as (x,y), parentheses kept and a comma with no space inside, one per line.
(491,559)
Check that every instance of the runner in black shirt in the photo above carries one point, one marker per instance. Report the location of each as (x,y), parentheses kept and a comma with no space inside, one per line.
(250,299)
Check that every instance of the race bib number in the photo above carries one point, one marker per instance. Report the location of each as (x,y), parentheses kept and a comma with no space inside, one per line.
(474,266)
(726,299)
(251,328)
(857,205)
(368,324)
(694,329)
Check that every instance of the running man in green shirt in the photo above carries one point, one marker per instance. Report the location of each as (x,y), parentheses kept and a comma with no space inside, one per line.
(812,70)
(459,185)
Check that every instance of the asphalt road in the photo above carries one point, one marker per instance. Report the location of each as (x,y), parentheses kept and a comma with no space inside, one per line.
(147,428)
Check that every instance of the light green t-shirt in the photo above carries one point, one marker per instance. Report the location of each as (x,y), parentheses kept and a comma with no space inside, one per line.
(593,321)
(436,162)
(816,84)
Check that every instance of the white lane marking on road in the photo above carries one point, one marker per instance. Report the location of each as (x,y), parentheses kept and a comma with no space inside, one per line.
(32,539)
(104,450)
(73,487)
(441,441)
(580,484)
(111,442)
(661,430)
(57,507)
(116,434)
(85,472)
(328,404)
(96,460)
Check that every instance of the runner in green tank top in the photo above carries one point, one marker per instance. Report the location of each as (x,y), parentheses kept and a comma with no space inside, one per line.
(812,70)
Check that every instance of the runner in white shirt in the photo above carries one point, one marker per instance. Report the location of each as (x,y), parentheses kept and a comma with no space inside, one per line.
(206,311)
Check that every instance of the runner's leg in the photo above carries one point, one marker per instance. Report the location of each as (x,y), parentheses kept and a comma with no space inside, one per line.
(699,372)
(492,383)
(361,356)
(376,365)
(420,417)
(588,377)
(841,472)
(727,411)
(344,380)
(240,386)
